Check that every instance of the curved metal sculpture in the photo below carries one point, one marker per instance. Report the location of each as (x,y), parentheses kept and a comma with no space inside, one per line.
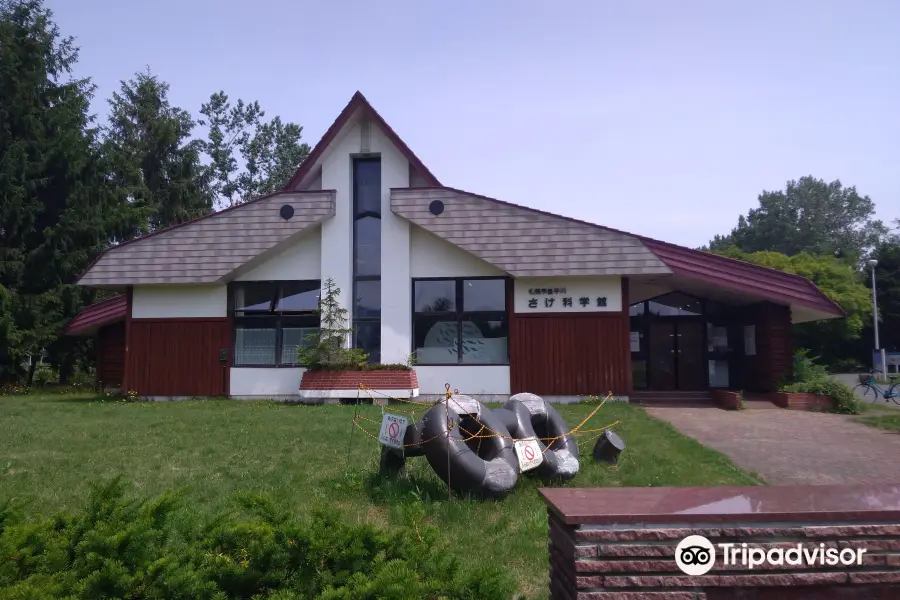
(472,448)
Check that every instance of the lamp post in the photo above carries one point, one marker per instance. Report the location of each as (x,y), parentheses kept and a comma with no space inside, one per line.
(873,263)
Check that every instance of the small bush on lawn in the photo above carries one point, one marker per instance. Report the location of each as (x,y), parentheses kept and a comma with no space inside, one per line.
(119,548)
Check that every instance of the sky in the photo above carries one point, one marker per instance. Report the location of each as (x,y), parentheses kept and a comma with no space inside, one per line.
(661,118)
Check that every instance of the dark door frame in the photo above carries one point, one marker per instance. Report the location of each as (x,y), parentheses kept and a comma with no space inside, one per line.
(675,320)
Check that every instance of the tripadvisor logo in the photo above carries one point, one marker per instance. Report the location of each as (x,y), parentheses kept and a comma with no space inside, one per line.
(696,555)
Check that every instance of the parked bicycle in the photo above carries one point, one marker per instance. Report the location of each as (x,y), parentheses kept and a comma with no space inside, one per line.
(868,388)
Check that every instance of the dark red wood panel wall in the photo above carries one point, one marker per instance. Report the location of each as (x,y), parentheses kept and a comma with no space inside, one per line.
(577,354)
(177,357)
(110,349)
(774,347)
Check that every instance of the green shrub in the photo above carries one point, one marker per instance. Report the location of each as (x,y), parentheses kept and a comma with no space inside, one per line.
(806,369)
(119,548)
(84,378)
(44,374)
(845,400)
(812,378)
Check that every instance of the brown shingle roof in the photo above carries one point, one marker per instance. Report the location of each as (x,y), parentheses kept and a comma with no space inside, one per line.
(522,241)
(208,249)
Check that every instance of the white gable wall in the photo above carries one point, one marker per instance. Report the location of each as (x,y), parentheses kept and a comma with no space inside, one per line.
(300,260)
(337,232)
(179,301)
(430,256)
(396,290)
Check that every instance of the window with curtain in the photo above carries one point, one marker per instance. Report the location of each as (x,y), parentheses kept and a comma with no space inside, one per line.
(460,321)
(272,320)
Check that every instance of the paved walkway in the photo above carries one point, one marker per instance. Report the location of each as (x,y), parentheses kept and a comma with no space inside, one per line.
(793,447)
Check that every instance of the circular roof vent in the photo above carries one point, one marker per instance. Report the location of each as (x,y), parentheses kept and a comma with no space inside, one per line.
(436,207)
(286,212)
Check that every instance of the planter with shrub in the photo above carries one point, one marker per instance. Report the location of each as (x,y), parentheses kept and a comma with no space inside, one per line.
(335,371)
(814,389)
(802,401)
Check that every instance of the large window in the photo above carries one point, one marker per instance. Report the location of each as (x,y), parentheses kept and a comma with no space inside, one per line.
(367,256)
(460,321)
(272,320)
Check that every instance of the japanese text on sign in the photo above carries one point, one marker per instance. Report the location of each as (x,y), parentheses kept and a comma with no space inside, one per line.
(529,453)
(567,302)
(393,430)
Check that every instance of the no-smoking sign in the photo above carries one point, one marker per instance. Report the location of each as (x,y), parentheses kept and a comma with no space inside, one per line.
(529,454)
(393,430)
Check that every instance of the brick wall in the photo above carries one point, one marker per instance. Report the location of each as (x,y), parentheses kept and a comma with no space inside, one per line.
(774,347)
(797,401)
(633,564)
(350,380)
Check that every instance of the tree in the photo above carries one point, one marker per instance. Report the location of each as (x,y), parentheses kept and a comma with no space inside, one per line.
(247,156)
(810,216)
(152,161)
(326,349)
(53,214)
(834,339)
(887,282)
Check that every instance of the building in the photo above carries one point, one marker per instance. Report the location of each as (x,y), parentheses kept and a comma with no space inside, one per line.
(491,297)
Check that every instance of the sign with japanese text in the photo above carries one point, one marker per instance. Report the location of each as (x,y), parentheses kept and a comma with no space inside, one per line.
(393,430)
(529,453)
(568,295)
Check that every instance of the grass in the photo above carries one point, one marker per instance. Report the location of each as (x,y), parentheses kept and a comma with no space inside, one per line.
(303,456)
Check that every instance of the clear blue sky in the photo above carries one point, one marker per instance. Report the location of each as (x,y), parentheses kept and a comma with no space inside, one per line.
(662,118)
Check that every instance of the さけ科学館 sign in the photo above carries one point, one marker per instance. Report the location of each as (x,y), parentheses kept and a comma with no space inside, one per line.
(568,295)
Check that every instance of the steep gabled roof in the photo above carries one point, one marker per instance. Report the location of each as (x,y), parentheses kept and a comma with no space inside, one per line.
(358,103)
(97,315)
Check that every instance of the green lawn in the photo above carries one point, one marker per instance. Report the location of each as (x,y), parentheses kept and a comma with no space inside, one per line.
(881,416)
(51,446)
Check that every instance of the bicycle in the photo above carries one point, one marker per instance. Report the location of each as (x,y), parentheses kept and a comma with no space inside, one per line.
(867,384)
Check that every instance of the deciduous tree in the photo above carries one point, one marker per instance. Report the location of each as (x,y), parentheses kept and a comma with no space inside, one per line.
(840,280)
(810,216)
(247,155)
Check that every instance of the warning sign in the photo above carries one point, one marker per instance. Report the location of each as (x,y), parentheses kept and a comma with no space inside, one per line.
(393,430)
(530,454)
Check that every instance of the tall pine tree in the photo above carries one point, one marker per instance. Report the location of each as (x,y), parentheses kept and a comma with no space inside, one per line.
(153,164)
(55,213)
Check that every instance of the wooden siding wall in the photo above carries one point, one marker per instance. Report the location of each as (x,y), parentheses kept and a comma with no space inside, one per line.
(774,348)
(571,354)
(177,357)
(110,350)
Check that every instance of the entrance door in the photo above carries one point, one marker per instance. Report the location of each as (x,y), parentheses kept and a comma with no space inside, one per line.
(693,373)
(676,355)
(663,375)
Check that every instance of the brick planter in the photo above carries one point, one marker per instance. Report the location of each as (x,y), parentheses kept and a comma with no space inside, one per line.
(797,401)
(345,384)
(727,399)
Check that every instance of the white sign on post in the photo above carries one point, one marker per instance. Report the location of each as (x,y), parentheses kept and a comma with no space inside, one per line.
(529,453)
(393,430)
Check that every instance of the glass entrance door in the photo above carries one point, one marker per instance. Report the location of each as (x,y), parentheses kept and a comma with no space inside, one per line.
(662,373)
(690,358)
(676,355)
